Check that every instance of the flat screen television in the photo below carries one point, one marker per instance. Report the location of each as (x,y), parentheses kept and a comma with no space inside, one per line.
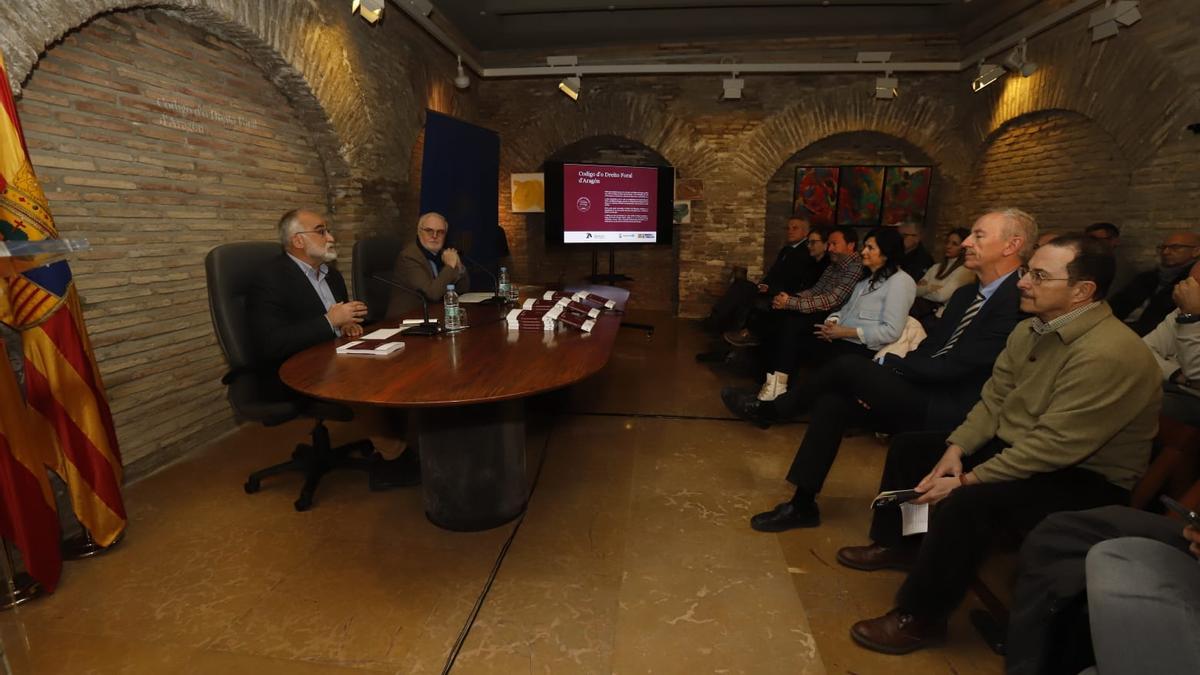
(608,203)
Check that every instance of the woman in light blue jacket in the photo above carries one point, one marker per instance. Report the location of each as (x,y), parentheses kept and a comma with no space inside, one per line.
(874,315)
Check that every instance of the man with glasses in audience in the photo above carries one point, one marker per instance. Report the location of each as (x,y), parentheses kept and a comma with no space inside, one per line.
(428,265)
(1065,423)
(1146,300)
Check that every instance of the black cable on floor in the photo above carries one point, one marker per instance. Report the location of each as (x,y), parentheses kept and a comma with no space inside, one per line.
(487,587)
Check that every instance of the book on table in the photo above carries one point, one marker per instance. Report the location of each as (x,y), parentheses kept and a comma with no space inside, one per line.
(370,347)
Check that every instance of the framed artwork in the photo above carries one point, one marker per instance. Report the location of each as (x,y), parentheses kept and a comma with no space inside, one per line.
(906,194)
(682,211)
(860,195)
(528,192)
(816,194)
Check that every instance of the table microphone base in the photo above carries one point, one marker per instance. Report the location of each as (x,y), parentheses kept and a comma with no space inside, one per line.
(423,329)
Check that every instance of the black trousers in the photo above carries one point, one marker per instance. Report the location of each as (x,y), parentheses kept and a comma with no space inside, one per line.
(732,310)
(851,390)
(962,526)
(789,338)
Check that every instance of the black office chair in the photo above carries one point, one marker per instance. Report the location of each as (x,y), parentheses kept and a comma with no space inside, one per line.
(372,256)
(255,393)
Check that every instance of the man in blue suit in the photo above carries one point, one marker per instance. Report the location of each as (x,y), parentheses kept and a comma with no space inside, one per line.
(932,388)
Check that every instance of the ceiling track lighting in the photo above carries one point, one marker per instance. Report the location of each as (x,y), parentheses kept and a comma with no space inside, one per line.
(731,88)
(461,80)
(571,86)
(1106,21)
(370,10)
(1018,61)
(886,87)
(988,73)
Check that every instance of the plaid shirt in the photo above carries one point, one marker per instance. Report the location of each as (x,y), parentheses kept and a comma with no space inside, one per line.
(831,290)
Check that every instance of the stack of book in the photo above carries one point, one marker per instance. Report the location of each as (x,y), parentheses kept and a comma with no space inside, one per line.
(538,304)
(595,300)
(528,319)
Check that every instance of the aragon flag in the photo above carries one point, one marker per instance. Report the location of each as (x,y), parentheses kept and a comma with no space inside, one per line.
(62,383)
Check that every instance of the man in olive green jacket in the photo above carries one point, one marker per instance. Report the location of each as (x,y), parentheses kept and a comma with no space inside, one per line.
(1065,423)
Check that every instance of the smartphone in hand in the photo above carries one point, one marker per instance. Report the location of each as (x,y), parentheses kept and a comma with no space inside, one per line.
(1189,516)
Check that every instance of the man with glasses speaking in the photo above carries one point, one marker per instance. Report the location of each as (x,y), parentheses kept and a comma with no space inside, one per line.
(1146,300)
(299,299)
(428,266)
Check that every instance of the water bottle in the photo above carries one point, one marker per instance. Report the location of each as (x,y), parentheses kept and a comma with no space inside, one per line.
(504,285)
(514,293)
(453,312)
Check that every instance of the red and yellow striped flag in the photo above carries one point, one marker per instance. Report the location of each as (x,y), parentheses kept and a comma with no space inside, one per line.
(62,382)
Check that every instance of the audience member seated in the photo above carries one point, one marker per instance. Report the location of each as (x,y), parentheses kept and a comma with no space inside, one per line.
(1130,575)
(794,269)
(940,281)
(790,325)
(916,260)
(872,318)
(1176,345)
(1145,300)
(428,266)
(1064,423)
(933,387)
(1111,234)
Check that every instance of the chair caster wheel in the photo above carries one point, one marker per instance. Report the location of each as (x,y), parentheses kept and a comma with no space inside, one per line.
(303,503)
(252,485)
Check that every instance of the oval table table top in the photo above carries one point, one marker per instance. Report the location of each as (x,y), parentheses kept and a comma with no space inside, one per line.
(483,363)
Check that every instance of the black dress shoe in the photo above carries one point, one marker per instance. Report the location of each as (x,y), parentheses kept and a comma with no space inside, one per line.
(746,406)
(401,472)
(787,516)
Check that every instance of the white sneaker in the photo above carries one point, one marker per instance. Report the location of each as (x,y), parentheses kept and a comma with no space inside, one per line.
(767,393)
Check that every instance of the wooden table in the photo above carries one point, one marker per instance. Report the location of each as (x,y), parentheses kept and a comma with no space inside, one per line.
(467,389)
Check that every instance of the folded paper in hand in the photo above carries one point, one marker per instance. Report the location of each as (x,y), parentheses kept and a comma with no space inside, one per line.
(370,347)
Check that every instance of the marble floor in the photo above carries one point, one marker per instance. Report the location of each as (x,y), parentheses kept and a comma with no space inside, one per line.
(634,555)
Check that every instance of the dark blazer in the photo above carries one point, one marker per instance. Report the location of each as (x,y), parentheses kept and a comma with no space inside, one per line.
(790,271)
(412,269)
(955,379)
(1145,286)
(916,262)
(286,314)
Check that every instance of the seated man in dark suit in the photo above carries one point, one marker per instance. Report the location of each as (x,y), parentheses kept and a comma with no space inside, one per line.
(1146,300)
(299,300)
(793,270)
(428,266)
(916,260)
(932,387)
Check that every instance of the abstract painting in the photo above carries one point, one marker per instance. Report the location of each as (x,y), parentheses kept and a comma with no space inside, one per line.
(860,195)
(906,194)
(528,192)
(815,195)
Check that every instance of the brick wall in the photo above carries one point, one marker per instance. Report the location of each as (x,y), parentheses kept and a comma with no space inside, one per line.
(156,141)
(1059,166)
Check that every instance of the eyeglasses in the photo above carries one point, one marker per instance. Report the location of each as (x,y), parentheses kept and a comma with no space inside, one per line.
(1037,277)
(431,232)
(321,231)
(1175,247)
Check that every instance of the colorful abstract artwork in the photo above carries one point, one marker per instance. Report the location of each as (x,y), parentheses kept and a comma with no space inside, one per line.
(860,195)
(816,194)
(906,194)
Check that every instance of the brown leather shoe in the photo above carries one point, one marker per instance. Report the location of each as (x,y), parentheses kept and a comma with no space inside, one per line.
(876,557)
(898,633)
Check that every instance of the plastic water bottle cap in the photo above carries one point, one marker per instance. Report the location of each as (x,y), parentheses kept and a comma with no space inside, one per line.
(503,269)
(449,287)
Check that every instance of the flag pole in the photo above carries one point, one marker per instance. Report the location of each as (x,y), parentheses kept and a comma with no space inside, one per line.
(83,546)
(20,588)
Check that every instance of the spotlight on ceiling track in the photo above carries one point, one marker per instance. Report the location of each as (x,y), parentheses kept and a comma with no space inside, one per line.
(1105,21)
(1018,61)
(731,88)
(988,73)
(571,86)
(461,80)
(886,87)
(371,10)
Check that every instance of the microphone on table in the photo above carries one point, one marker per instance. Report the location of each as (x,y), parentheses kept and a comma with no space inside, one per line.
(426,327)
(495,299)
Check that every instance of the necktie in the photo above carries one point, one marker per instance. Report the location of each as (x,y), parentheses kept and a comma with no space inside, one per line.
(965,321)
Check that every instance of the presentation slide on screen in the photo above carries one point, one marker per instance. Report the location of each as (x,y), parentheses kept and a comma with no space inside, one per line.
(609,204)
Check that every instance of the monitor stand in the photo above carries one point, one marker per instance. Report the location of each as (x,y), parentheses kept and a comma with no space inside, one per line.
(612,276)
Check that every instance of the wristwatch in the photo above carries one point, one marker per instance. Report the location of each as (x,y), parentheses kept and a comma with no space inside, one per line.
(1184,317)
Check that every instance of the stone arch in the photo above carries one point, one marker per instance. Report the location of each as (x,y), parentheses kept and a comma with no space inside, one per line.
(284,39)
(1131,92)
